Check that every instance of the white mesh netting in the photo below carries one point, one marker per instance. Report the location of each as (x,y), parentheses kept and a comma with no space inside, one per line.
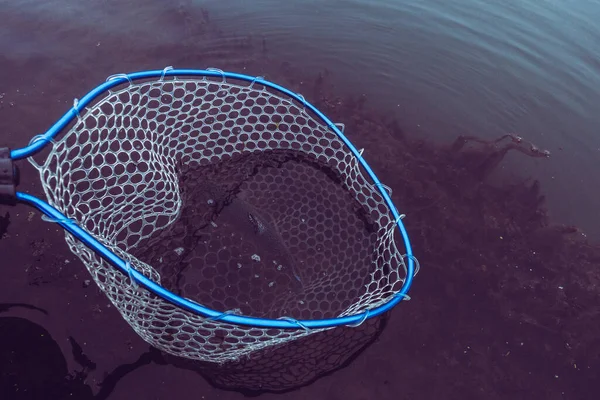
(229,195)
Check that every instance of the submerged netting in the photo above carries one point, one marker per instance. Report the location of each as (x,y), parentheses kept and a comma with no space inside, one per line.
(229,195)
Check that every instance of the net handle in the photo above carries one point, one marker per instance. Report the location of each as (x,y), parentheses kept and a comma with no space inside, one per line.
(99,248)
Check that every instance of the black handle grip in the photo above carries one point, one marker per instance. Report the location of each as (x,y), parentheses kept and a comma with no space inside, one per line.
(9,178)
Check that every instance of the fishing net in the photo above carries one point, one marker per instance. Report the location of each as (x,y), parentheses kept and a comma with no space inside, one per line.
(227,194)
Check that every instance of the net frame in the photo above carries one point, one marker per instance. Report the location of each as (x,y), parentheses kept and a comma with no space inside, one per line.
(137,278)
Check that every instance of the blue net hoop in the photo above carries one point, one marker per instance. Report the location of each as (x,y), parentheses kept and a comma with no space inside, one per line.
(139,280)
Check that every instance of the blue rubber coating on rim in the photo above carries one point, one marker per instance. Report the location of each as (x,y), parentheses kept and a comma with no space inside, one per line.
(155,288)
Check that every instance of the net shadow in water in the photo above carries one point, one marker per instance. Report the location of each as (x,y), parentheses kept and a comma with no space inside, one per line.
(245,242)
(270,234)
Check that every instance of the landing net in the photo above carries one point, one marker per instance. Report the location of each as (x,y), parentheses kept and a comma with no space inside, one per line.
(233,196)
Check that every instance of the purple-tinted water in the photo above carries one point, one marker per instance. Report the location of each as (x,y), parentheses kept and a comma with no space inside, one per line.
(442,69)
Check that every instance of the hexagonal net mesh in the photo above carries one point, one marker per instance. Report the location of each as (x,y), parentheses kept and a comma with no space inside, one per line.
(229,195)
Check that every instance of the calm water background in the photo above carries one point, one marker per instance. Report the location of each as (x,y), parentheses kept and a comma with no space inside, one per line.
(443,68)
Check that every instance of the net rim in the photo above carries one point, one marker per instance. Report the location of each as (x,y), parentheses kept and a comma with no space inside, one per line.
(124,266)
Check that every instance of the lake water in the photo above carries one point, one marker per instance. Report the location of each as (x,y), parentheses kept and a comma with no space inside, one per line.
(440,68)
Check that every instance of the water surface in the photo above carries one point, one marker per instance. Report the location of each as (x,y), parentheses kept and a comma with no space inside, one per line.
(441,69)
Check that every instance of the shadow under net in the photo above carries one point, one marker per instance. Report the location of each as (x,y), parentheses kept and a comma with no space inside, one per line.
(271,234)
